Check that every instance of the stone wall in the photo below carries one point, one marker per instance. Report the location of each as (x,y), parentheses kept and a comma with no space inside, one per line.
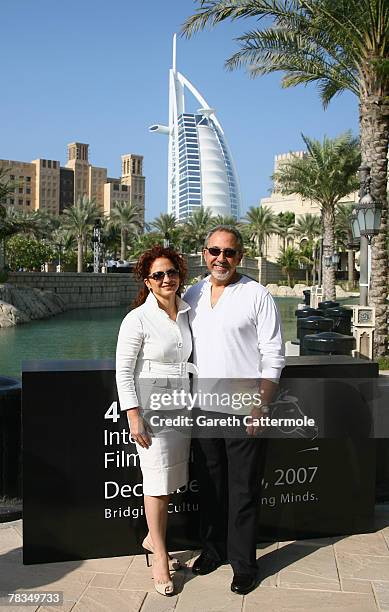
(197,267)
(81,290)
(22,304)
(270,272)
(258,268)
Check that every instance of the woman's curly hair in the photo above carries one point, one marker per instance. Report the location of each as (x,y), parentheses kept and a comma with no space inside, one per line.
(146,260)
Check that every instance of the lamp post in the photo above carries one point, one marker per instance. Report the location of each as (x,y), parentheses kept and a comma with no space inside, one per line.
(96,239)
(365,223)
(166,240)
(60,246)
(331,259)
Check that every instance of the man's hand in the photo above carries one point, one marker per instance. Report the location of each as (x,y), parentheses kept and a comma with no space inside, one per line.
(255,427)
(138,428)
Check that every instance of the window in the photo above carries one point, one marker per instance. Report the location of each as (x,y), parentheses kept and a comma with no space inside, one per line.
(20,189)
(11,201)
(28,202)
(49,163)
(43,163)
(20,202)
(28,179)
(28,190)
(115,187)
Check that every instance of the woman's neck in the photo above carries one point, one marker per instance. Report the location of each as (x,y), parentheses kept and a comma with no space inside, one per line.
(169,306)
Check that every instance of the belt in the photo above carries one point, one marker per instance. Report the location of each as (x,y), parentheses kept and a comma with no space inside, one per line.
(162,368)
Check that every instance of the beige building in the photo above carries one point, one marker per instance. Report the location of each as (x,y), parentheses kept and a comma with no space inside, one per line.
(44,185)
(22,176)
(279,203)
(47,185)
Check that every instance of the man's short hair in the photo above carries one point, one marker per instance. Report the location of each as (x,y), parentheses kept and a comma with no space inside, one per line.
(226,228)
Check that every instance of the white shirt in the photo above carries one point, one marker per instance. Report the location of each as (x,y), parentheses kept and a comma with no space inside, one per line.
(148,333)
(240,337)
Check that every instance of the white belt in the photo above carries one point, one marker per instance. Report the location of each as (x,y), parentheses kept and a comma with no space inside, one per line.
(174,369)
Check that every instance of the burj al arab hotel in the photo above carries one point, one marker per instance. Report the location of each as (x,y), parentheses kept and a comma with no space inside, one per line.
(201,171)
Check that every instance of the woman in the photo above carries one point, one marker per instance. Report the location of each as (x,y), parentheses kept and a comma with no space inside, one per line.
(153,348)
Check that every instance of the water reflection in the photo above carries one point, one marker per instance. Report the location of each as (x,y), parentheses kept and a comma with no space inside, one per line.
(85,334)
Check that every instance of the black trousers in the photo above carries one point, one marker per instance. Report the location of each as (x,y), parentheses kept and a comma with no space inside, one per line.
(229,471)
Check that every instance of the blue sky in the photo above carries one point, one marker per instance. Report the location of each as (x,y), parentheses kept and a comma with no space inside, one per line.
(97,72)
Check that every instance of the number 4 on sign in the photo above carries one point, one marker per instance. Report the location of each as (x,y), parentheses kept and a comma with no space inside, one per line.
(113,412)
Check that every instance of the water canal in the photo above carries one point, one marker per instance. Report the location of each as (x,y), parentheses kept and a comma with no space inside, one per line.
(85,334)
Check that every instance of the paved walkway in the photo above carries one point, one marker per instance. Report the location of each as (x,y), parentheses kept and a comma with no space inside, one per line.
(329,574)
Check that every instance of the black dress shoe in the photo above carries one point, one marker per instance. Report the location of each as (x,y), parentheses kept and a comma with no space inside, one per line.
(205,564)
(243,583)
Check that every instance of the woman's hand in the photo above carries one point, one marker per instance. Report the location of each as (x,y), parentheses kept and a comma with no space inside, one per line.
(138,428)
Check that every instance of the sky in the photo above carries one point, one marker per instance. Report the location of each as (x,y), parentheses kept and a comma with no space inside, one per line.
(97,72)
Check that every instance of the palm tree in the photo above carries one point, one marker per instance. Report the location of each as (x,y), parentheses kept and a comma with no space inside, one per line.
(344,236)
(164,224)
(79,219)
(168,228)
(284,223)
(324,175)
(196,228)
(308,227)
(260,224)
(289,261)
(128,217)
(224,220)
(339,45)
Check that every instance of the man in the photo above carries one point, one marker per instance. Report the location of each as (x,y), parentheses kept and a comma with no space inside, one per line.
(236,335)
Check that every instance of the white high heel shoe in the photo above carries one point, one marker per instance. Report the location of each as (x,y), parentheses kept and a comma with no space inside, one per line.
(163,588)
(174,564)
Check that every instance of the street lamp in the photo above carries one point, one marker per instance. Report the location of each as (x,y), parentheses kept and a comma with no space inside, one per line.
(327,260)
(96,239)
(331,259)
(60,246)
(166,240)
(365,223)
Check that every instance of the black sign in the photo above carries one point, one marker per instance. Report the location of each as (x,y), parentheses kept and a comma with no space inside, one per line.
(82,486)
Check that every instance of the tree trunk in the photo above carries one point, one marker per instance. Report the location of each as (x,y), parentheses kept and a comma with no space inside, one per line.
(2,256)
(80,254)
(123,245)
(374,126)
(307,276)
(328,215)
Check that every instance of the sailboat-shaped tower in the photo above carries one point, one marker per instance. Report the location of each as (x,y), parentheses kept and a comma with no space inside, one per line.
(201,171)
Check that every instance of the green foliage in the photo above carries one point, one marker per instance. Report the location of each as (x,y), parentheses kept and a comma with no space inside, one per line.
(383,362)
(196,228)
(260,223)
(289,260)
(308,226)
(337,45)
(327,173)
(27,253)
(143,242)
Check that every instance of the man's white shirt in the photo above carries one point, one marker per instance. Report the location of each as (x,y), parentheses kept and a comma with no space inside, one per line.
(240,336)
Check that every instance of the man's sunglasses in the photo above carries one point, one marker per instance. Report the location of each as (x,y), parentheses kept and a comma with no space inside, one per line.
(215,251)
(158,276)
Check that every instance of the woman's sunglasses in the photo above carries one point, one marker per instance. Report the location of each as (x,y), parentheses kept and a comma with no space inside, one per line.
(158,276)
(215,251)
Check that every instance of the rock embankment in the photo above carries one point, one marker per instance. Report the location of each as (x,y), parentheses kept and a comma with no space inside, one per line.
(297,291)
(22,304)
